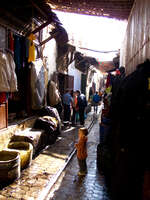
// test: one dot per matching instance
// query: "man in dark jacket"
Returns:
(67, 103)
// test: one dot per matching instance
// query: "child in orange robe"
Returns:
(82, 150)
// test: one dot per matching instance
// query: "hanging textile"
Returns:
(13, 77)
(8, 79)
(11, 41)
(3, 97)
(17, 51)
(31, 48)
(37, 85)
(27, 43)
(53, 94)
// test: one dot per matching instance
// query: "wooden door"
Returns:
(65, 82)
(69, 82)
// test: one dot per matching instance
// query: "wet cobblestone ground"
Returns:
(91, 187)
(43, 169)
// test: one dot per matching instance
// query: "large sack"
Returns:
(46, 123)
(50, 111)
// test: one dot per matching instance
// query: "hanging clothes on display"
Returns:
(8, 79)
(31, 48)
(11, 41)
(37, 85)
(27, 43)
(17, 52)
(3, 97)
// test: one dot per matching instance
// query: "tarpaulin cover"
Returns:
(136, 45)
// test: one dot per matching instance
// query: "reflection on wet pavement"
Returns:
(70, 186)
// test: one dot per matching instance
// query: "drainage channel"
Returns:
(46, 190)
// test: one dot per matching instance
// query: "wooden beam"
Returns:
(48, 39)
(42, 26)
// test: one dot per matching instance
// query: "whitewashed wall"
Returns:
(136, 46)
(72, 71)
(93, 78)
(49, 53)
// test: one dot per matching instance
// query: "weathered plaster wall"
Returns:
(49, 53)
(93, 78)
(72, 71)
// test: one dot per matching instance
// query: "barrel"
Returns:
(9, 166)
(25, 149)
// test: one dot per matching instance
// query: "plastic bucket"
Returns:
(25, 149)
(9, 166)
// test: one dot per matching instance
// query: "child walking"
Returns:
(82, 150)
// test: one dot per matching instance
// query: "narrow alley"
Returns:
(60, 61)
(92, 186)
(36, 182)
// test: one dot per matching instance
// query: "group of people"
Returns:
(71, 106)
(74, 103)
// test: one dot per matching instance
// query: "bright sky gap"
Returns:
(98, 34)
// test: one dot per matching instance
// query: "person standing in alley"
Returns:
(67, 103)
(82, 150)
(96, 101)
(81, 104)
(74, 107)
